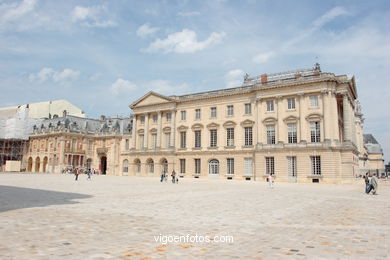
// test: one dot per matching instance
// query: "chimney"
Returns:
(263, 78)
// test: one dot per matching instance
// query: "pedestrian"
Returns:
(89, 173)
(270, 181)
(367, 181)
(76, 173)
(173, 176)
(374, 184)
(162, 176)
(177, 180)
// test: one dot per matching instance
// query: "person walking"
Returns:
(162, 176)
(367, 181)
(173, 176)
(374, 184)
(76, 173)
(270, 181)
(89, 173)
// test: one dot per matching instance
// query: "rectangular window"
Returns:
(291, 103)
(292, 166)
(270, 105)
(248, 109)
(197, 166)
(315, 165)
(183, 136)
(270, 134)
(197, 113)
(154, 119)
(230, 110)
(230, 137)
(315, 132)
(182, 165)
(213, 138)
(292, 133)
(142, 120)
(230, 165)
(154, 141)
(126, 145)
(313, 101)
(213, 112)
(183, 115)
(270, 165)
(167, 140)
(248, 136)
(248, 167)
(169, 117)
(198, 138)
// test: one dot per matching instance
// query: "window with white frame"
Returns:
(198, 138)
(270, 134)
(213, 112)
(248, 109)
(142, 120)
(213, 138)
(154, 119)
(291, 103)
(197, 113)
(183, 115)
(230, 110)
(315, 132)
(167, 140)
(182, 165)
(292, 133)
(125, 166)
(154, 141)
(183, 137)
(248, 136)
(270, 105)
(150, 164)
(248, 167)
(214, 167)
(315, 165)
(197, 166)
(229, 136)
(168, 117)
(313, 101)
(292, 166)
(230, 165)
(270, 165)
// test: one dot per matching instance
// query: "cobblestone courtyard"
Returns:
(52, 217)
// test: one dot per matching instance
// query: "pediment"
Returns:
(153, 131)
(197, 126)
(269, 120)
(229, 124)
(166, 129)
(290, 119)
(314, 117)
(151, 98)
(212, 125)
(182, 128)
(247, 122)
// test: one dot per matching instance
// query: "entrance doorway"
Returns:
(30, 164)
(103, 164)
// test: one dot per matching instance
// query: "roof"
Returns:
(372, 144)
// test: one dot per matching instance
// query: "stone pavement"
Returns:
(111, 217)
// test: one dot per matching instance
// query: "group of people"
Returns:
(164, 177)
(371, 183)
(88, 172)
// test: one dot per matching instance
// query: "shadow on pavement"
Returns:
(17, 198)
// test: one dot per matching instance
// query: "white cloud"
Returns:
(93, 16)
(188, 14)
(145, 30)
(14, 11)
(46, 74)
(329, 16)
(121, 85)
(184, 42)
(263, 57)
(234, 78)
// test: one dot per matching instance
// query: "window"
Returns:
(182, 165)
(125, 166)
(169, 117)
(248, 136)
(230, 110)
(270, 134)
(270, 165)
(315, 165)
(292, 133)
(230, 137)
(90, 145)
(183, 136)
(141, 142)
(150, 164)
(313, 101)
(291, 103)
(198, 138)
(248, 167)
(292, 166)
(167, 140)
(142, 120)
(270, 105)
(154, 119)
(213, 138)
(230, 165)
(315, 132)
(197, 166)
(214, 167)
(197, 113)
(248, 109)
(154, 141)
(213, 112)
(137, 165)
(183, 115)
(126, 145)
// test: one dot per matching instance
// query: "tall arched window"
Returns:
(214, 167)
(137, 164)
(125, 166)
(150, 165)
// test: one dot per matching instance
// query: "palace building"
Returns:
(300, 126)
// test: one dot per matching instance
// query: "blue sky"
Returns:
(103, 55)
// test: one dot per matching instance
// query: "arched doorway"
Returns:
(37, 164)
(44, 164)
(29, 164)
(150, 165)
(164, 165)
(103, 164)
(88, 163)
(214, 167)
(137, 166)
(125, 166)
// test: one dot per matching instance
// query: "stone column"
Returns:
(347, 118)
(325, 115)
(279, 121)
(146, 132)
(257, 122)
(134, 133)
(159, 123)
(173, 127)
(301, 136)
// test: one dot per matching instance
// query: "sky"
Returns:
(103, 55)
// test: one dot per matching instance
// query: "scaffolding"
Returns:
(11, 150)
